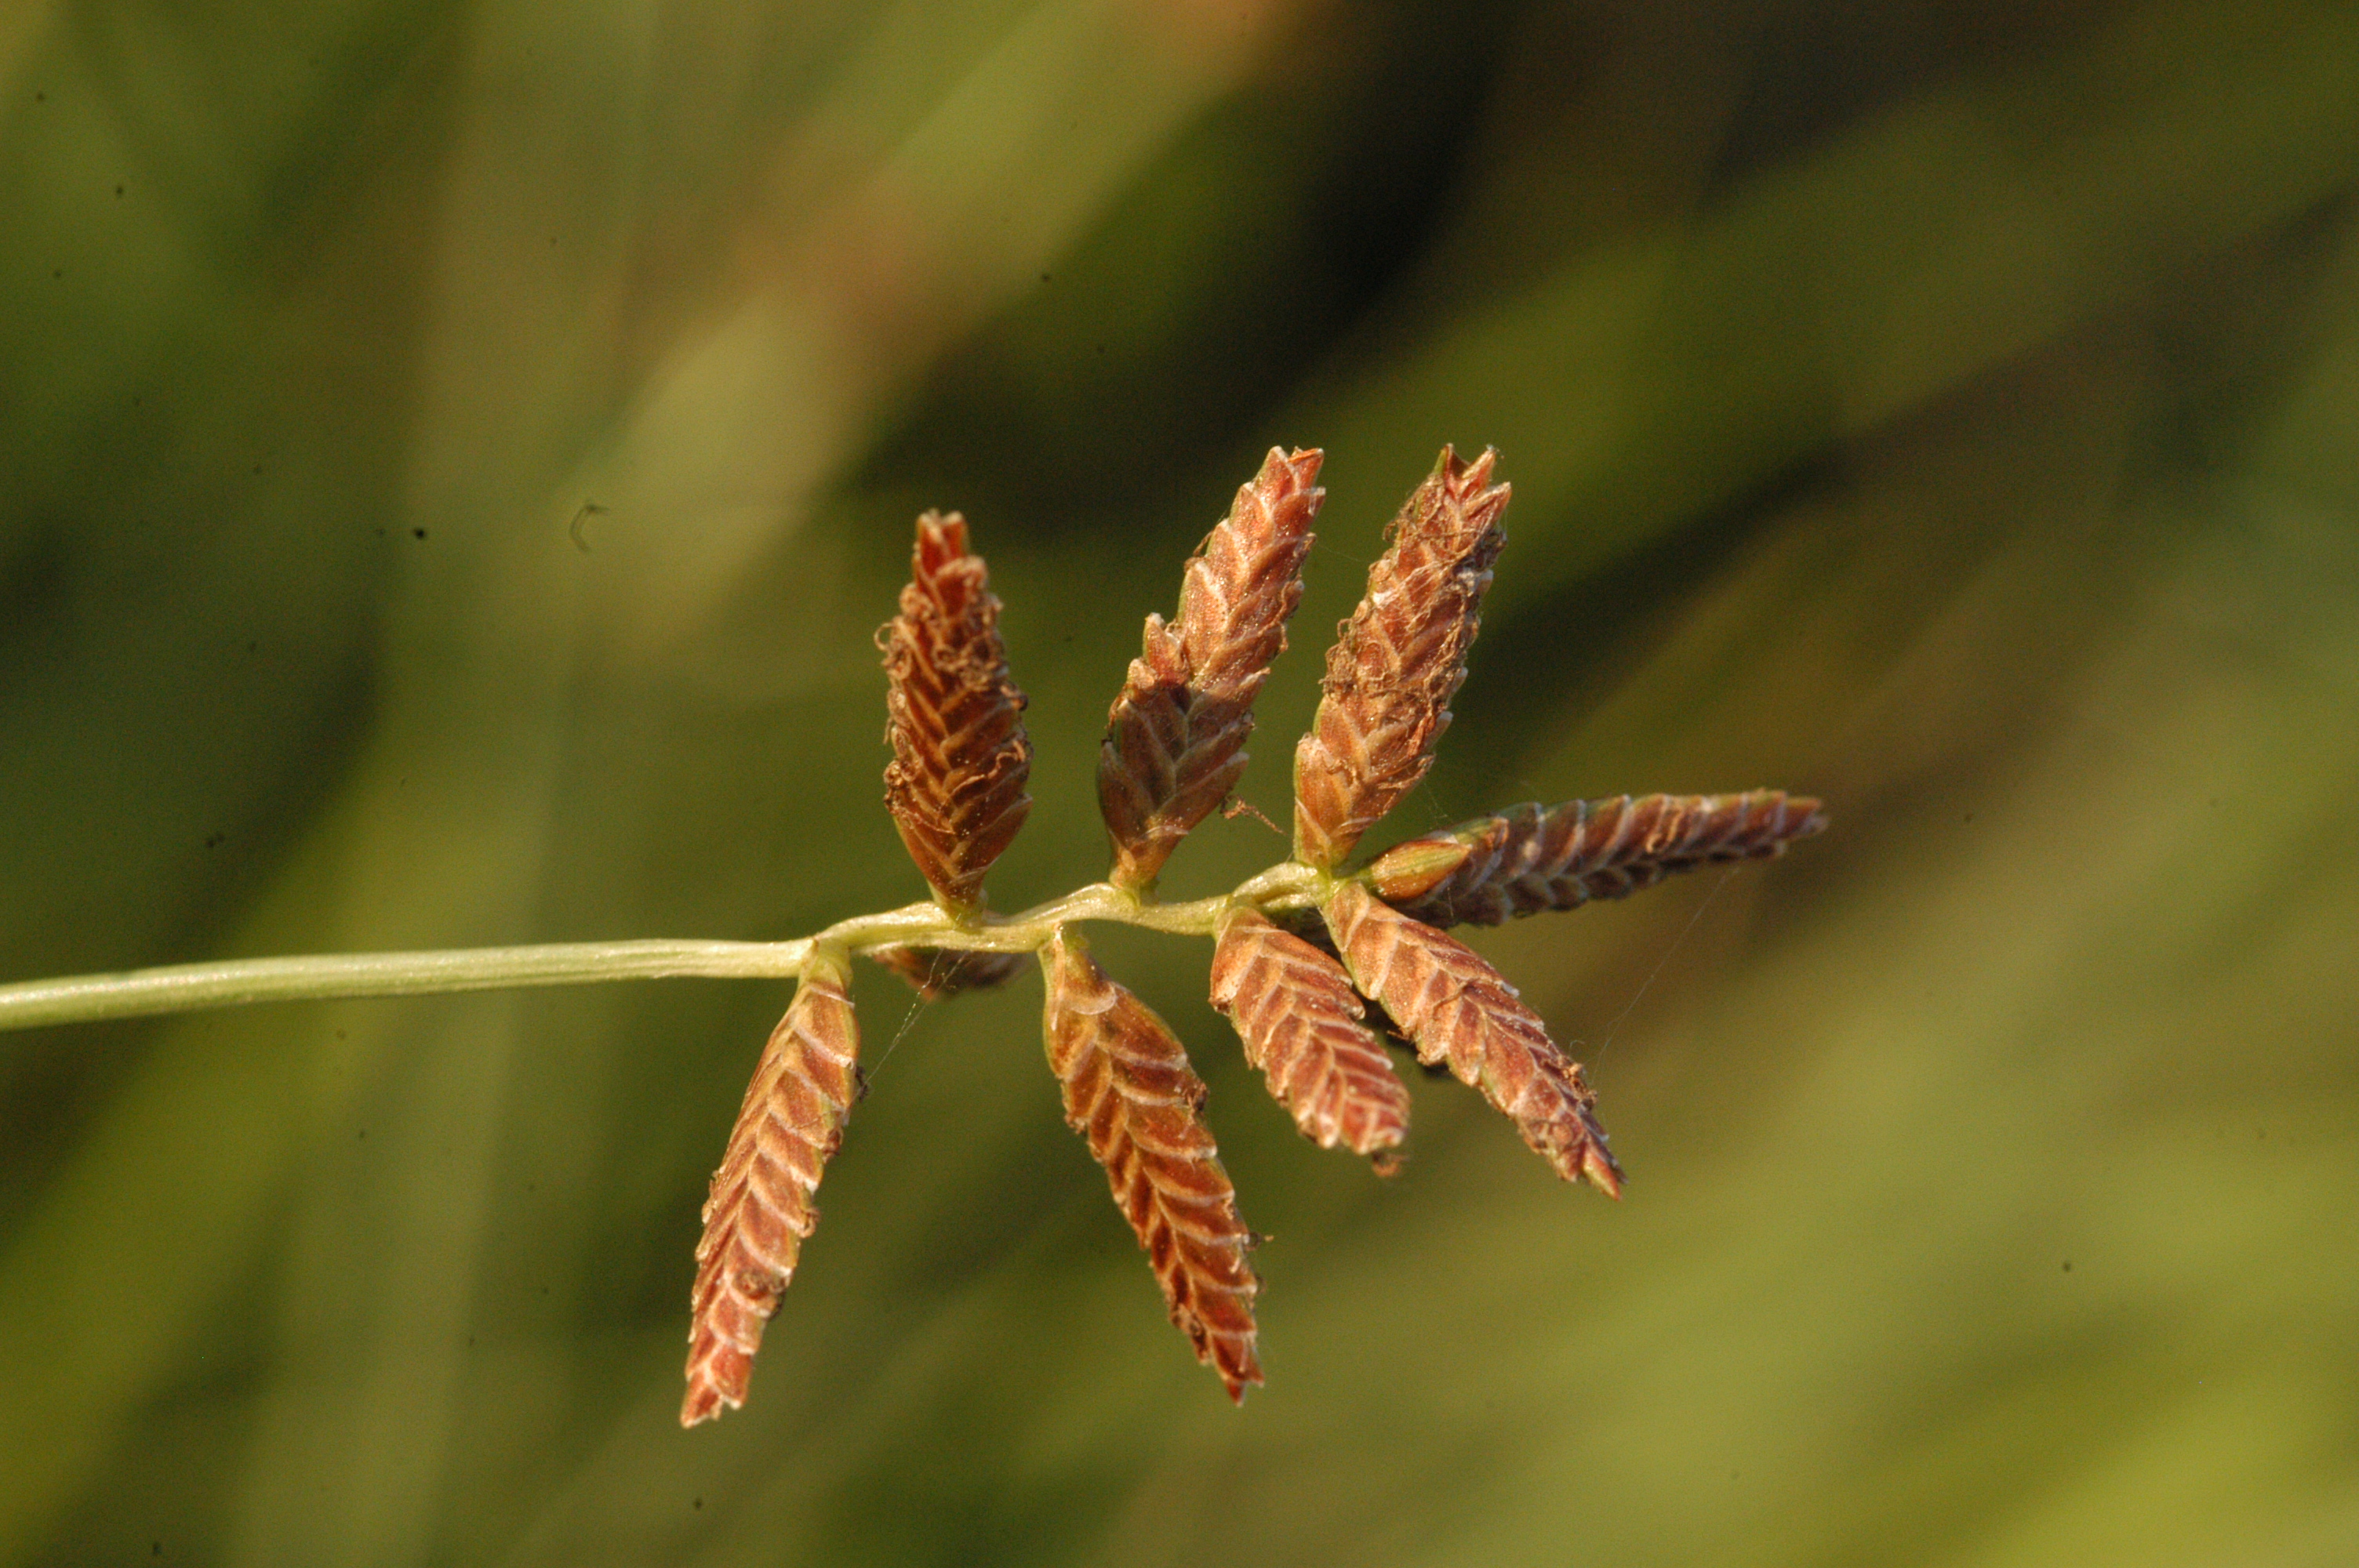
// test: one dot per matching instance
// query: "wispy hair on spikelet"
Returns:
(760, 1208)
(1397, 661)
(1302, 1025)
(1128, 1089)
(938, 972)
(1530, 858)
(1175, 738)
(960, 758)
(1460, 1012)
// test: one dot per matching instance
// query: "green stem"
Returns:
(181, 987)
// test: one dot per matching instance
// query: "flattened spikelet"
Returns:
(1459, 1011)
(1175, 738)
(955, 786)
(1529, 859)
(1398, 659)
(938, 972)
(1129, 1090)
(1300, 1022)
(760, 1208)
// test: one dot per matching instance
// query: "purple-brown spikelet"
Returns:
(1301, 1024)
(956, 784)
(760, 1208)
(1129, 1090)
(1458, 1011)
(1398, 659)
(1175, 738)
(1529, 858)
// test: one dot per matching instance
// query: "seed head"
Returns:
(1398, 659)
(956, 784)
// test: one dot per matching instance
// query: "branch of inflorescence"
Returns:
(181, 987)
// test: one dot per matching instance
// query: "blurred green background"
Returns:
(1948, 408)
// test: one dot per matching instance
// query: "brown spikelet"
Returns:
(956, 784)
(1129, 1091)
(1175, 738)
(938, 972)
(1529, 859)
(1458, 1011)
(1398, 659)
(1295, 1009)
(760, 1208)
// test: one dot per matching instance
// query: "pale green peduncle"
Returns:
(82, 999)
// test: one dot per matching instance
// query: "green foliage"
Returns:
(1951, 416)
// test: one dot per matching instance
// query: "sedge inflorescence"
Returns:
(1319, 968)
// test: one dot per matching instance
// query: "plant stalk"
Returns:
(181, 987)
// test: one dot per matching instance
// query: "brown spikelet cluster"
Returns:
(1398, 659)
(1129, 1091)
(956, 784)
(1300, 1020)
(1460, 1014)
(1529, 858)
(1175, 738)
(1314, 964)
(760, 1208)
